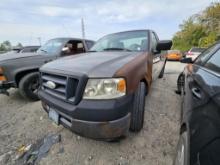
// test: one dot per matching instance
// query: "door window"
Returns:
(214, 62)
(154, 42)
(89, 44)
(206, 54)
(73, 47)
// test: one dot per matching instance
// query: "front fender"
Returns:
(139, 69)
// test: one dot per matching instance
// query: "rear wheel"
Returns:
(137, 113)
(28, 86)
(182, 154)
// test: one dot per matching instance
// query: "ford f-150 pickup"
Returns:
(101, 94)
(20, 70)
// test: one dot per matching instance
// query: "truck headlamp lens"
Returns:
(105, 88)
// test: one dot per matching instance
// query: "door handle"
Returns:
(196, 92)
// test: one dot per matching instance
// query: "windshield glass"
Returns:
(51, 47)
(124, 41)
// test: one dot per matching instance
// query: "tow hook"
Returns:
(4, 92)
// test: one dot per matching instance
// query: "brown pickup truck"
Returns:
(101, 94)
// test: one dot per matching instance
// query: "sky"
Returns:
(32, 21)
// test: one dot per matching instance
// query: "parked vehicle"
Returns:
(25, 49)
(174, 55)
(199, 85)
(20, 70)
(194, 52)
(29, 49)
(101, 94)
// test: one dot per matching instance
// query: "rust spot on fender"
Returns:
(136, 70)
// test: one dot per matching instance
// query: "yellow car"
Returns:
(174, 55)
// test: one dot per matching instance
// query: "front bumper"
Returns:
(98, 119)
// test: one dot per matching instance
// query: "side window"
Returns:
(33, 50)
(214, 62)
(89, 44)
(206, 54)
(73, 47)
(154, 41)
(25, 50)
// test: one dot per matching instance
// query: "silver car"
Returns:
(194, 52)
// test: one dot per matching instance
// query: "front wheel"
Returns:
(28, 86)
(182, 153)
(137, 112)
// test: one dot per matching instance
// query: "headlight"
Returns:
(105, 88)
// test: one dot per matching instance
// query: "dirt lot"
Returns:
(23, 122)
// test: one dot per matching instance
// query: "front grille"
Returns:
(65, 87)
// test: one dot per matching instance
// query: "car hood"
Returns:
(97, 64)
(13, 56)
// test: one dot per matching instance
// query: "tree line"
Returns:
(200, 30)
(6, 46)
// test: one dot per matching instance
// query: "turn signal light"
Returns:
(121, 85)
(2, 78)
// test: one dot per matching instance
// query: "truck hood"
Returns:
(13, 56)
(97, 64)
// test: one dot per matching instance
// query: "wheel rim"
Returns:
(34, 85)
(180, 155)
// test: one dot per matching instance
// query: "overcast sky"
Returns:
(26, 20)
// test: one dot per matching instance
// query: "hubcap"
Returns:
(34, 86)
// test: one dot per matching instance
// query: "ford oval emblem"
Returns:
(51, 84)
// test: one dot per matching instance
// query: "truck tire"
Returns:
(137, 112)
(28, 86)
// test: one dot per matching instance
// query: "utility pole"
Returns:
(83, 28)
(39, 39)
(83, 33)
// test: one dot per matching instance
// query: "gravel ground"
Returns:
(23, 123)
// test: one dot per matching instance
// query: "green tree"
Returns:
(19, 45)
(6, 45)
(2, 47)
(208, 40)
(201, 29)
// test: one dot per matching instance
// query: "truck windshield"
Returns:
(51, 47)
(124, 41)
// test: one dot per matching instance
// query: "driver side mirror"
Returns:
(187, 60)
(164, 45)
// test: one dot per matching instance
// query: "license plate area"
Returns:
(54, 116)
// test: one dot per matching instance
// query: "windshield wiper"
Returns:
(123, 49)
(92, 51)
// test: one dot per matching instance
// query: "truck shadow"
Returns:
(14, 96)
